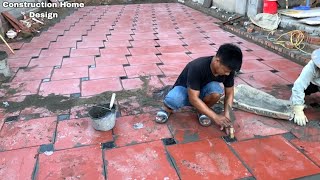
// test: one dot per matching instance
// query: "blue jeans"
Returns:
(178, 96)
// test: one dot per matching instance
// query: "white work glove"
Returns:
(299, 116)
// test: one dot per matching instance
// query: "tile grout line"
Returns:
(172, 161)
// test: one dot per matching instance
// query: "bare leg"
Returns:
(211, 99)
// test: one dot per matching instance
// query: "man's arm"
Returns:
(301, 84)
(228, 100)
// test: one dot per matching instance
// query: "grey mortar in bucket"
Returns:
(103, 119)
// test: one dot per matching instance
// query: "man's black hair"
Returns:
(231, 56)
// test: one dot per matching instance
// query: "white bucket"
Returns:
(103, 119)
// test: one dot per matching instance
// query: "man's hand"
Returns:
(222, 121)
(299, 116)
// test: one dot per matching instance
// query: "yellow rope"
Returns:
(297, 38)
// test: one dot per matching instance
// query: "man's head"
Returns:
(316, 57)
(228, 59)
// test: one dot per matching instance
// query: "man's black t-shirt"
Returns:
(198, 73)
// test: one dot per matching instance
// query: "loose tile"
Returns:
(70, 73)
(263, 79)
(138, 129)
(143, 161)
(21, 134)
(94, 87)
(83, 162)
(78, 61)
(106, 72)
(186, 128)
(270, 158)
(18, 164)
(79, 132)
(143, 59)
(142, 70)
(63, 87)
(207, 159)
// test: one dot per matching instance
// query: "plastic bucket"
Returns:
(270, 6)
(103, 119)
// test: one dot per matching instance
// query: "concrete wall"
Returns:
(16, 12)
(228, 5)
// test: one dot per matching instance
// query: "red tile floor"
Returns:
(110, 48)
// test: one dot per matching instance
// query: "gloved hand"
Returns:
(299, 116)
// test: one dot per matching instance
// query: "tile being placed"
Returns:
(18, 164)
(141, 128)
(186, 128)
(270, 158)
(21, 134)
(79, 132)
(84, 162)
(207, 159)
(142, 161)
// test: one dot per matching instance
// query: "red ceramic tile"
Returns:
(25, 88)
(18, 164)
(78, 61)
(142, 70)
(139, 129)
(144, 36)
(109, 44)
(143, 43)
(19, 62)
(94, 87)
(167, 36)
(111, 60)
(90, 44)
(196, 41)
(21, 134)
(172, 49)
(33, 73)
(270, 158)
(170, 80)
(120, 37)
(70, 73)
(83, 163)
(55, 52)
(254, 66)
(143, 161)
(310, 148)
(186, 128)
(266, 55)
(196, 48)
(281, 65)
(207, 159)
(69, 38)
(106, 72)
(63, 87)
(39, 112)
(171, 42)
(249, 125)
(198, 55)
(172, 69)
(238, 81)
(312, 129)
(36, 45)
(143, 59)
(173, 58)
(46, 61)
(81, 111)
(25, 53)
(138, 51)
(252, 46)
(129, 106)
(290, 75)
(84, 52)
(79, 132)
(263, 79)
(114, 51)
(64, 44)
(130, 84)
(16, 45)
(95, 37)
